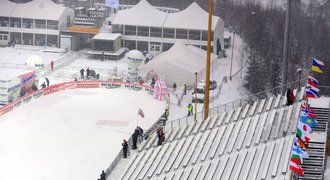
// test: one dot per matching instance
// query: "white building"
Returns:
(37, 23)
(148, 29)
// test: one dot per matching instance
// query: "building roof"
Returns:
(36, 9)
(142, 14)
(107, 36)
(193, 17)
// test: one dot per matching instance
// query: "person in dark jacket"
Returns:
(43, 85)
(140, 134)
(174, 87)
(161, 136)
(135, 138)
(47, 81)
(103, 175)
(185, 89)
(82, 71)
(125, 148)
(88, 73)
(289, 96)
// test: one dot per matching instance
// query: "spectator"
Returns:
(103, 175)
(185, 89)
(88, 73)
(47, 81)
(140, 134)
(290, 97)
(135, 137)
(125, 148)
(75, 79)
(174, 87)
(52, 65)
(43, 85)
(161, 136)
(190, 109)
(82, 73)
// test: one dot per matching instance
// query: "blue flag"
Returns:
(112, 3)
(308, 120)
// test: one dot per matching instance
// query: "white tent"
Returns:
(178, 64)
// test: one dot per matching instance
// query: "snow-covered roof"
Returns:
(142, 14)
(178, 64)
(193, 17)
(36, 9)
(107, 36)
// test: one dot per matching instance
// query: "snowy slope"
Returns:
(72, 134)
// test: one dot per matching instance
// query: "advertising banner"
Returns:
(88, 85)
(28, 83)
(13, 89)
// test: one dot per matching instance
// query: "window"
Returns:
(167, 46)
(155, 32)
(5, 37)
(143, 31)
(40, 24)
(168, 33)
(52, 25)
(0, 37)
(130, 30)
(142, 46)
(194, 34)
(181, 34)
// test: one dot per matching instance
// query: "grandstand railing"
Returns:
(231, 105)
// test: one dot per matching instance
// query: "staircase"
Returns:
(314, 166)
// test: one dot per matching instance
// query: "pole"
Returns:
(208, 64)
(232, 55)
(195, 113)
(286, 45)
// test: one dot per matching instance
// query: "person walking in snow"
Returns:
(82, 73)
(174, 87)
(103, 175)
(47, 81)
(190, 109)
(52, 65)
(125, 148)
(290, 97)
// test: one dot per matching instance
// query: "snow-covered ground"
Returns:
(72, 134)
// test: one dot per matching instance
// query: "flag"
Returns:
(141, 113)
(300, 143)
(298, 151)
(306, 111)
(317, 65)
(112, 3)
(304, 128)
(297, 159)
(312, 81)
(312, 92)
(308, 120)
(296, 168)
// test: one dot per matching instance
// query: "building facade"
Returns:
(36, 23)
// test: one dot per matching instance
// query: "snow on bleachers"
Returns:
(269, 103)
(174, 155)
(268, 155)
(216, 142)
(278, 123)
(287, 120)
(239, 164)
(128, 174)
(129, 165)
(253, 109)
(205, 168)
(208, 144)
(200, 146)
(230, 115)
(277, 101)
(187, 173)
(229, 167)
(213, 167)
(242, 133)
(295, 118)
(268, 126)
(173, 135)
(221, 167)
(182, 131)
(261, 106)
(195, 172)
(260, 128)
(213, 121)
(178, 175)
(191, 150)
(151, 141)
(274, 167)
(189, 129)
(256, 164)
(155, 164)
(286, 155)
(198, 125)
(225, 139)
(205, 124)
(168, 134)
(302, 93)
(245, 111)
(237, 113)
(166, 157)
(233, 137)
(149, 163)
(170, 176)
(141, 164)
(185, 148)
(220, 120)
(251, 130)
(248, 163)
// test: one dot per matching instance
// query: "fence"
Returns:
(12, 65)
(229, 106)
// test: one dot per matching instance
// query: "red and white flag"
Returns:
(141, 113)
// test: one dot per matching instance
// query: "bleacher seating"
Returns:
(251, 142)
